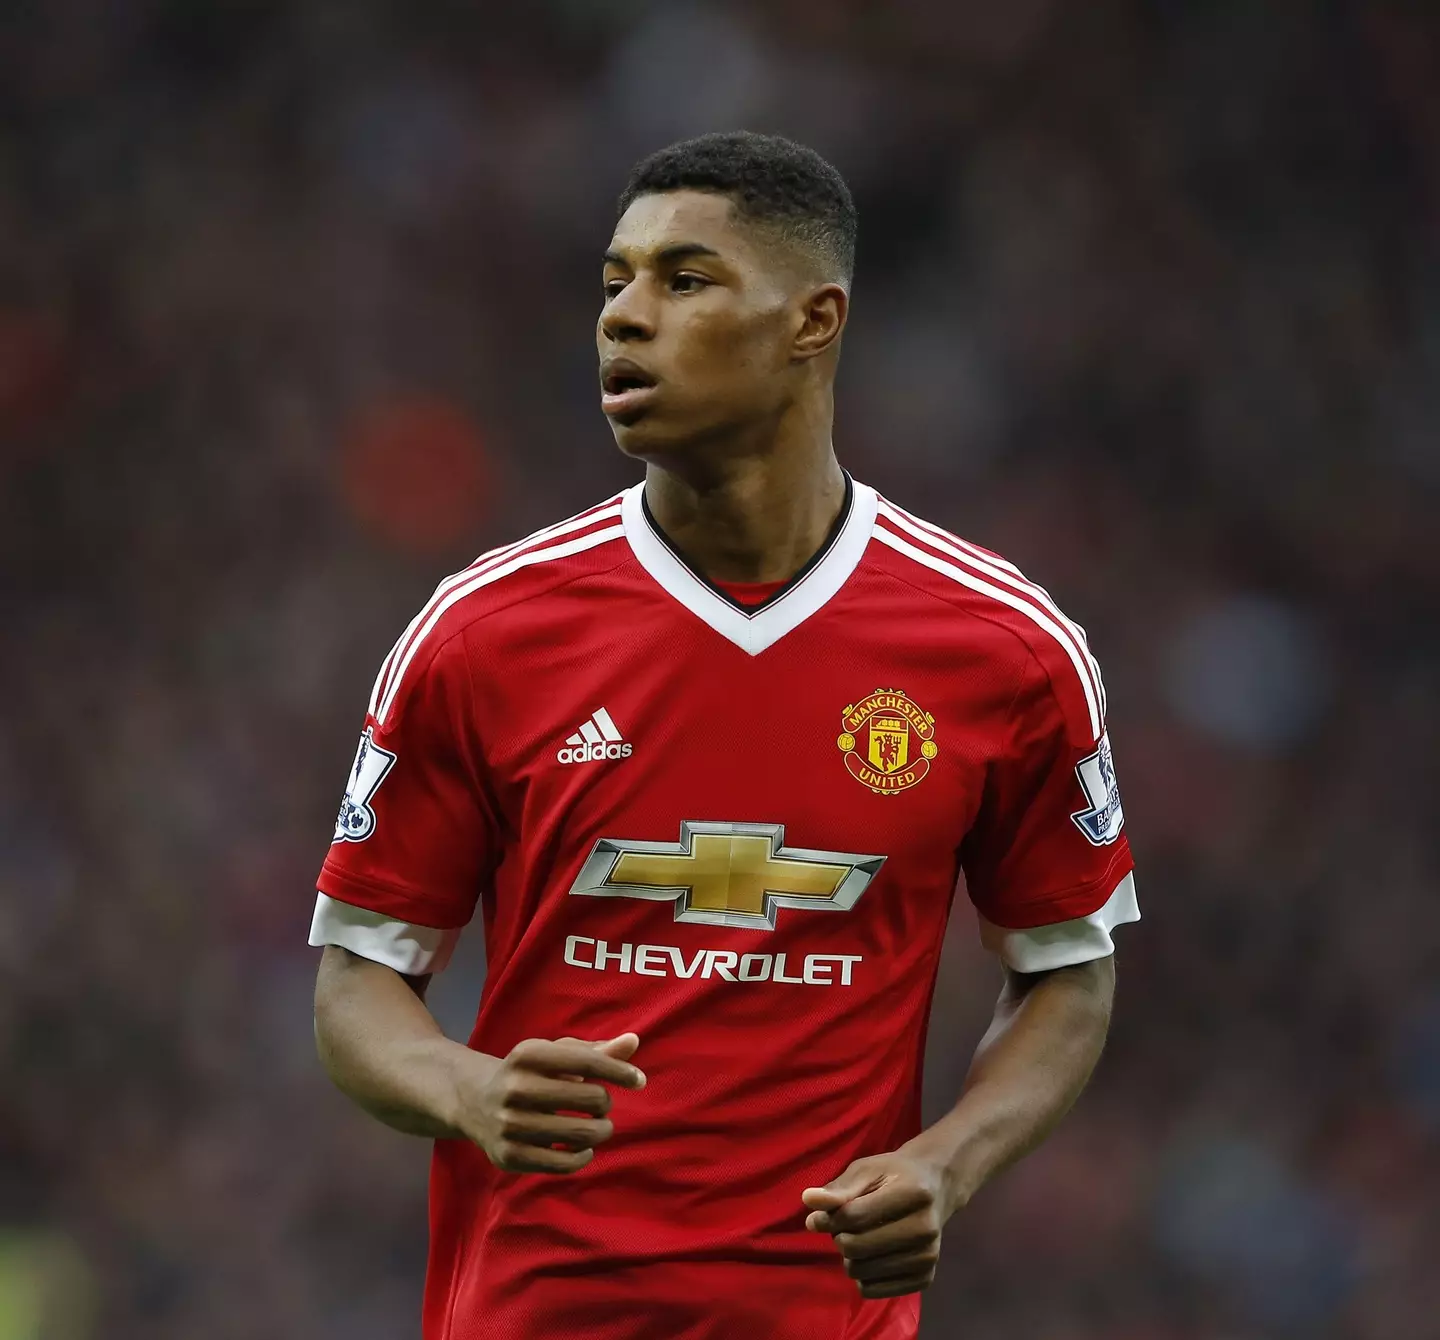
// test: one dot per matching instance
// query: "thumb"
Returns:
(856, 1180)
(622, 1048)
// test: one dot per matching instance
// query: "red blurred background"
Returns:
(295, 317)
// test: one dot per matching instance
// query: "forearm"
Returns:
(1032, 1064)
(383, 1048)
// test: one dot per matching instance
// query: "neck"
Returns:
(759, 518)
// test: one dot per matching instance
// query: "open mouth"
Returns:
(625, 388)
(618, 383)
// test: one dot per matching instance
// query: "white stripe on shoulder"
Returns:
(491, 558)
(482, 579)
(930, 528)
(1011, 599)
(997, 568)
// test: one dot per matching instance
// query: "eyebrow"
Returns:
(679, 251)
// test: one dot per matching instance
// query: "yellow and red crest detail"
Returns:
(888, 742)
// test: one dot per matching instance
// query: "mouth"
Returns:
(625, 388)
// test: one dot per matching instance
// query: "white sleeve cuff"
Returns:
(413, 950)
(1042, 948)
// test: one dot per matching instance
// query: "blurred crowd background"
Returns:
(296, 304)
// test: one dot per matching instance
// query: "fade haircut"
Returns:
(774, 182)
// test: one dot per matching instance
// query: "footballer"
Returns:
(707, 761)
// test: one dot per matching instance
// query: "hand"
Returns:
(885, 1214)
(521, 1110)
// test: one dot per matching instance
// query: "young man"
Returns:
(710, 757)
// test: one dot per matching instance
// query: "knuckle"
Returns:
(503, 1156)
(574, 1162)
(512, 1086)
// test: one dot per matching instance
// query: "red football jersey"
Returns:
(735, 830)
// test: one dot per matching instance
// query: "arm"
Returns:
(887, 1212)
(1037, 1056)
(384, 1050)
(1048, 867)
(414, 843)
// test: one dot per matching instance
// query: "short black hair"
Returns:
(771, 180)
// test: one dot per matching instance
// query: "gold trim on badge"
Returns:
(727, 874)
(878, 742)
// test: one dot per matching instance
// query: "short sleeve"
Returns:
(415, 837)
(1047, 863)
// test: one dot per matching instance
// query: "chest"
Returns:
(867, 731)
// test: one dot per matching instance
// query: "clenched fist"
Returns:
(544, 1107)
(886, 1214)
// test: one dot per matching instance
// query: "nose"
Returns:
(629, 315)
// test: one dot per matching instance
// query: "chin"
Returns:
(657, 439)
(644, 439)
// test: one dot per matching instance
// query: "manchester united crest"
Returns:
(888, 742)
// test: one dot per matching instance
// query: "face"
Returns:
(698, 334)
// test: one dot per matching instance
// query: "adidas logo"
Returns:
(597, 739)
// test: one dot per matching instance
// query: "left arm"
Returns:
(1030, 1067)
(1048, 868)
(886, 1212)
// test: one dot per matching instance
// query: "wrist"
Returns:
(454, 1070)
(956, 1156)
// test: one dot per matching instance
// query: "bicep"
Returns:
(346, 979)
(1093, 980)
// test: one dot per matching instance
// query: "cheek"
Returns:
(721, 349)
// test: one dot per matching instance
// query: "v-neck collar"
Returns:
(761, 626)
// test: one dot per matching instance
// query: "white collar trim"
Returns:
(753, 632)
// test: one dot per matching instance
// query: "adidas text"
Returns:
(594, 753)
(598, 738)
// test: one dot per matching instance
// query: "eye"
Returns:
(685, 282)
(613, 287)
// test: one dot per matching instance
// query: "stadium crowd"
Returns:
(295, 311)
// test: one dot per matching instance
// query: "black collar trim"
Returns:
(750, 611)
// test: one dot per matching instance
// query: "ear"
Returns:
(822, 314)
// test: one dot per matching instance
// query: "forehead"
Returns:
(673, 218)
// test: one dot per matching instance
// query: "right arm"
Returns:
(414, 842)
(384, 1050)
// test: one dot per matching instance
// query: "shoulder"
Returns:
(975, 583)
(499, 579)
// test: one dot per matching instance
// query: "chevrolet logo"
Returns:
(727, 874)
